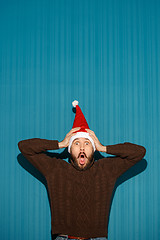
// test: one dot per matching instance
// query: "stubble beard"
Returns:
(74, 161)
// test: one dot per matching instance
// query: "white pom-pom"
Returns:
(75, 103)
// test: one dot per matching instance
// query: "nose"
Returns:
(82, 147)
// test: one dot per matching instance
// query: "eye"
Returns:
(87, 143)
(76, 143)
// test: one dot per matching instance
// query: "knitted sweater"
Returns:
(80, 200)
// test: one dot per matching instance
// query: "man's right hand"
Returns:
(65, 142)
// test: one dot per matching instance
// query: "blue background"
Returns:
(105, 54)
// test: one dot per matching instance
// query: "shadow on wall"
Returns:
(133, 171)
(34, 172)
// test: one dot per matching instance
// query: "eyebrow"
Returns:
(78, 139)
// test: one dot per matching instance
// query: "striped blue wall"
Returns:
(106, 54)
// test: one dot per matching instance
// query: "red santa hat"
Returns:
(81, 122)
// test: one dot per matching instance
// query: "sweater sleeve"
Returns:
(35, 149)
(127, 154)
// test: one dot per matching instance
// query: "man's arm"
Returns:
(34, 150)
(123, 150)
(131, 151)
(127, 154)
(33, 146)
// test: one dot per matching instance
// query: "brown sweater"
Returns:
(80, 200)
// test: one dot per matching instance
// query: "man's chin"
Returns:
(81, 164)
(81, 167)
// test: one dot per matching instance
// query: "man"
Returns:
(80, 193)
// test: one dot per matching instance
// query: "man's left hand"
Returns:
(98, 145)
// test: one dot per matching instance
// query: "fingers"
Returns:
(91, 133)
(72, 130)
(75, 129)
(71, 135)
(98, 145)
(89, 130)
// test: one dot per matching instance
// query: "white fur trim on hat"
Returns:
(81, 135)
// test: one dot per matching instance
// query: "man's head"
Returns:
(81, 145)
(82, 153)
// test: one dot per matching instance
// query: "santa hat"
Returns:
(81, 122)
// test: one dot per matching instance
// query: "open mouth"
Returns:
(82, 159)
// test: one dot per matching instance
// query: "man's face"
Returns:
(82, 153)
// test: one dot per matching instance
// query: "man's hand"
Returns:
(98, 145)
(65, 142)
